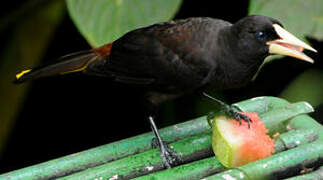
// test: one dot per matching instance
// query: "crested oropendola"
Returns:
(179, 57)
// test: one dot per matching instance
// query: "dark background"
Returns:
(68, 114)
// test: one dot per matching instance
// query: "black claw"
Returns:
(154, 143)
(238, 116)
(168, 155)
(239, 121)
(232, 110)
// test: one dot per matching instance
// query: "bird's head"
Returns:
(260, 36)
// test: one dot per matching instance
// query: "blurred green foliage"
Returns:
(293, 14)
(307, 86)
(34, 23)
(304, 18)
(25, 48)
(103, 21)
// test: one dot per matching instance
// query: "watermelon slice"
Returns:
(236, 144)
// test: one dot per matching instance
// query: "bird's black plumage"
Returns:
(177, 56)
(182, 56)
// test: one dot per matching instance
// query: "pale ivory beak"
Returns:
(289, 45)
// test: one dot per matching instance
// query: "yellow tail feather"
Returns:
(19, 75)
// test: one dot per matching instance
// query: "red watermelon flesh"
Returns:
(236, 144)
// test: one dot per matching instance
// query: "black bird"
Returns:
(179, 57)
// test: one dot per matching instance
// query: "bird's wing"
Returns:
(166, 53)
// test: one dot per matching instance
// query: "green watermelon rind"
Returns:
(221, 147)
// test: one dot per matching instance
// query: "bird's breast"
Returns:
(232, 76)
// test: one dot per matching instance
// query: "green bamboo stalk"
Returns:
(193, 170)
(295, 138)
(147, 162)
(117, 150)
(137, 165)
(107, 153)
(316, 175)
(303, 122)
(206, 167)
(278, 166)
(283, 142)
(281, 114)
(261, 104)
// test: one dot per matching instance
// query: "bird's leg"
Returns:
(151, 102)
(230, 110)
(168, 156)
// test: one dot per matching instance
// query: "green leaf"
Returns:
(307, 86)
(102, 21)
(300, 17)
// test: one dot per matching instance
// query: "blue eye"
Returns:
(261, 35)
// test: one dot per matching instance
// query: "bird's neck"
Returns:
(235, 71)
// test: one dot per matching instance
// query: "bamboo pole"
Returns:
(189, 149)
(192, 143)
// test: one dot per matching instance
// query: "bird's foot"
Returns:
(236, 114)
(168, 155)
(230, 110)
